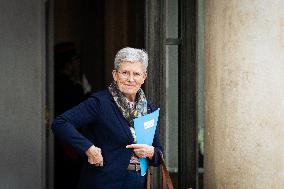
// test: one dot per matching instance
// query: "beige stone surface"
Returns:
(244, 94)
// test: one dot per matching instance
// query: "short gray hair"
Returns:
(131, 55)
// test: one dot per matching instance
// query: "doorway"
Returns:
(167, 30)
(87, 34)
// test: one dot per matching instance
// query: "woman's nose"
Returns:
(130, 77)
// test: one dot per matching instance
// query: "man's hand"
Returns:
(95, 156)
(142, 150)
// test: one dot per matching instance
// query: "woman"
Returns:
(110, 149)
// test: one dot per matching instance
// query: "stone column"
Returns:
(244, 94)
(22, 94)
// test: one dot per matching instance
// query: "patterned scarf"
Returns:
(124, 106)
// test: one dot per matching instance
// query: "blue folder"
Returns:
(145, 127)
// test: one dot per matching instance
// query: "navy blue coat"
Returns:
(108, 130)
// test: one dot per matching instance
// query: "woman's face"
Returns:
(129, 78)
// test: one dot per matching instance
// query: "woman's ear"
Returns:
(145, 77)
(114, 75)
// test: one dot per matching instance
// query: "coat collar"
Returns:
(122, 120)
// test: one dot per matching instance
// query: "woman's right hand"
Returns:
(95, 156)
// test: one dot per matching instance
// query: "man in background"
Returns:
(71, 87)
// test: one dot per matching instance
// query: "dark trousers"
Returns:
(134, 180)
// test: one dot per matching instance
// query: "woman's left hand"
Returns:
(142, 150)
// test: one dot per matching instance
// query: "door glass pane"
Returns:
(171, 19)
(172, 111)
(200, 91)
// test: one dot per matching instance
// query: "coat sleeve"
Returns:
(65, 126)
(157, 159)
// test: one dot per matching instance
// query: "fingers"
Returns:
(95, 162)
(136, 146)
(95, 156)
(140, 153)
(142, 150)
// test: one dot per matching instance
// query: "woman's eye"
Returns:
(137, 74)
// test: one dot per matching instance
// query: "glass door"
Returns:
(170, 38)
(171, 46)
